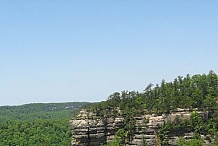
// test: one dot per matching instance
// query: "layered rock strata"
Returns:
(90, 130)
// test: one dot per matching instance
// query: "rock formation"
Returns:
(90, 130)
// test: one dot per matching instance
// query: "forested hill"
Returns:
(40, 110)
(37, 124)
(198, 92)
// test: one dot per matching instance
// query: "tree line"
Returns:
(199, 92)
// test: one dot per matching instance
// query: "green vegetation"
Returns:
(47, 124)
(192, 142)
(189, 92)
(119, 138)
(38, 124)
(195, 124)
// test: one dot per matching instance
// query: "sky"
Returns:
(84, 50)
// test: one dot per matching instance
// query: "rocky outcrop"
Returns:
(90, 130)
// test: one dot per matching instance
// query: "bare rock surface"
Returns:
(90, 130)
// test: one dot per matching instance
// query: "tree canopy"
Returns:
(190, 92)
(38, 124)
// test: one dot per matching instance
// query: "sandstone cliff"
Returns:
(90, 130)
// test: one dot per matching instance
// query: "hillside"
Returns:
(40, 110)
(130, 117)
(183, 112)
(39, 124)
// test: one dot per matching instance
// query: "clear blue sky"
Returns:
(84, 50)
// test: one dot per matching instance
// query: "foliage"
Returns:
(197, 91)
(190, 92)
(119, 138)
(37, 124)
(40, 111)
(192, 142)
(35, 132)
(215, 142)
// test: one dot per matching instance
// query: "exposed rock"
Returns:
(90, 130)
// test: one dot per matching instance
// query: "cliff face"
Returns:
(90, 130)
